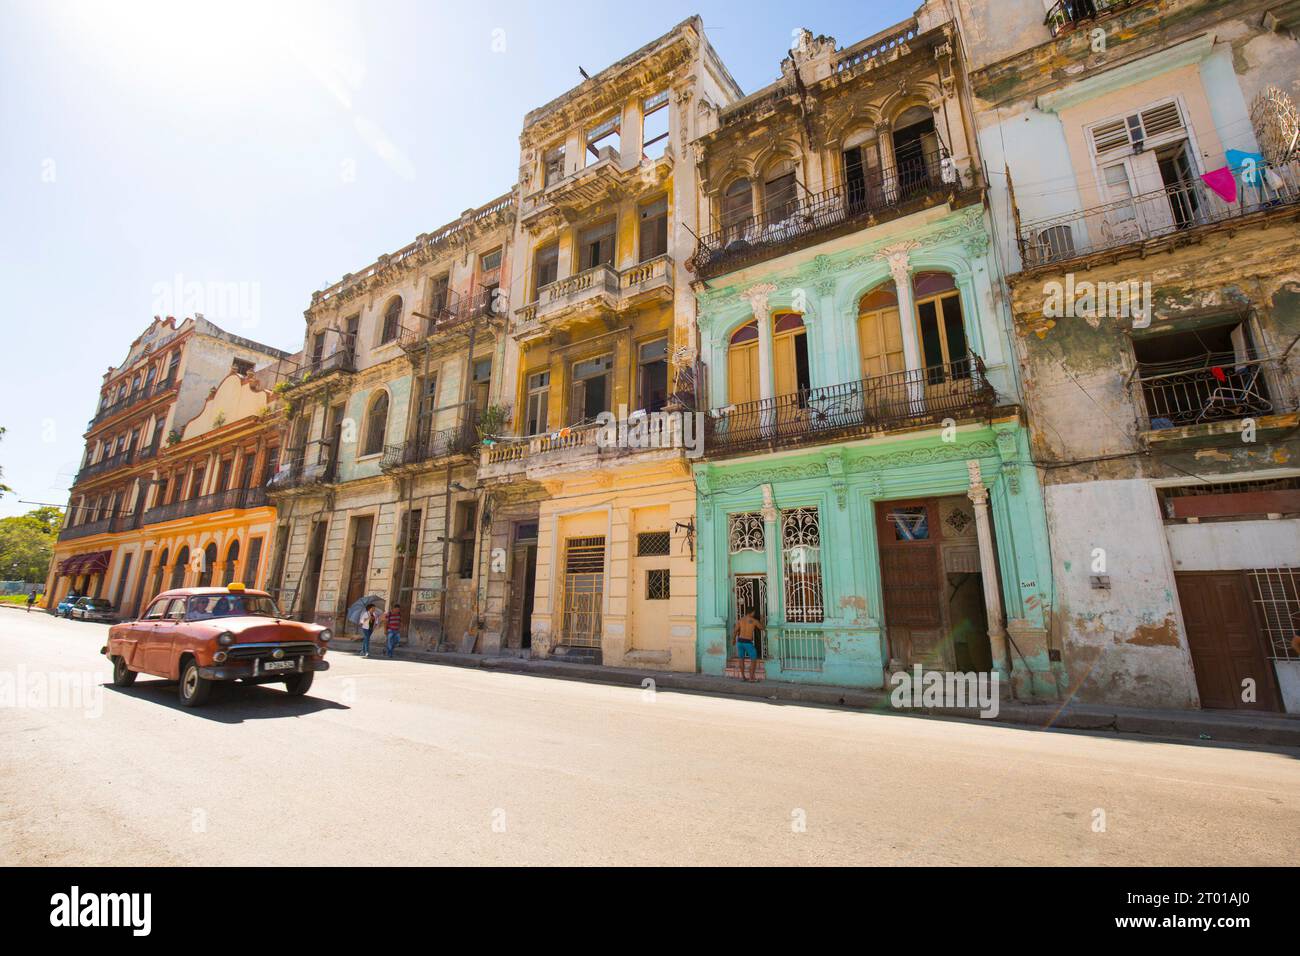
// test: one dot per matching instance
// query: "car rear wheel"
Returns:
(123, 676)
(194, 689)
(298, 684)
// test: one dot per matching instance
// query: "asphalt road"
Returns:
(410, 763)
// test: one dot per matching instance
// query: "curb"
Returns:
(1269, 730)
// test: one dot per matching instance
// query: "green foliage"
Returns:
(3, 487)
(493, 421)
(27, 544)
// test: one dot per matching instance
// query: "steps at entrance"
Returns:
(733, 669)
(576, 655)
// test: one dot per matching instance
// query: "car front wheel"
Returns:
(194, 689)
(123, 676)
(299, 684)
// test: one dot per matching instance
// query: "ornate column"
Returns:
(979, 496)
(756, 296)
(898, 257)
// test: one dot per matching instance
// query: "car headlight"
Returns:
(326, 634)
(320, 650)
(219, 657)
(225, 639)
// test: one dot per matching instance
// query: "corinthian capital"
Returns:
(898, 257)
(756, 296)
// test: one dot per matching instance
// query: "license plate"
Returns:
(279, 665)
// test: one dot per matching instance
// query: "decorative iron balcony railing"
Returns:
(231, 498)
(1066, 14)
(1213, 388)
(133, 399)
(836, 412)
(1162, 214)
(298, 472)
(445, 443)
(913, 181)
(104, 465)
(86, 529)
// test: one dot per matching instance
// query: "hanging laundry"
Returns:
(1222, 182)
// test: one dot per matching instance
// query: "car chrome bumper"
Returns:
(244, 670)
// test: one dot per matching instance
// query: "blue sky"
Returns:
(268, 148)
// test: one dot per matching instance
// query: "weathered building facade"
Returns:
(866, 488)
(597, 537)
(172, 486)
(1147, 191)
(377, 490)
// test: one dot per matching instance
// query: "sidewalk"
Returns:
(1275, 730)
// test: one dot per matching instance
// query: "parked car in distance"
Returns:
(64, 607)
(93, 609)
(199, 636)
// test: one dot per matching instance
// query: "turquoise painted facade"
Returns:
(844, 480)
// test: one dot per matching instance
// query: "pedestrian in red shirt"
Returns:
(393, 625)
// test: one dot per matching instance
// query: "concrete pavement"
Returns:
(402, 763)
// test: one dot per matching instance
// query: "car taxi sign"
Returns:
(235, 586)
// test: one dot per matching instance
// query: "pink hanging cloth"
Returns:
(1222, 182)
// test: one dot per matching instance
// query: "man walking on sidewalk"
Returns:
(393, 626)
(31, 599)
(369, 618)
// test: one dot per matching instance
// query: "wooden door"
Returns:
(880, 342)
(742, 374)
(1225, 641)
(359, 565)
(911, 576)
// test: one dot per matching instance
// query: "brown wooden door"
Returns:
(359, 565)
(912, 580)
(1224, 640)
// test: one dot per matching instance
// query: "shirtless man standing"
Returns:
(745, 647)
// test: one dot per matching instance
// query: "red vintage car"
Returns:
(201, 635)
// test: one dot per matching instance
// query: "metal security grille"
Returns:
(652, 544)
(801, 649)
(656, 584)
(584, 589)
(801, 537)
(750, 595)
(1276, 594)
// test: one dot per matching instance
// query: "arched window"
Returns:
(780, 191)
(940, 324)
(737, 207)
(376, 424)
(880, 335)
(790, 354)
(209, 563)
(232, 558)
(180, 567)
(916, 151)
(392, 319)
(862, 180)
(742, 365)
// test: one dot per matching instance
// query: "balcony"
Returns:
(1191, 403)
(105, 465)
(317, 369)
(593, 292)
(419, 453)
(858, 409)
(1155, 220)
(102, 526)
(228, 500)
(597, 184)
(133, 399)
(577, 448)
(298, 473)
(1065, 15)
(889, 193)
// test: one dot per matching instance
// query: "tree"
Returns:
(27, 544)
(3, 487)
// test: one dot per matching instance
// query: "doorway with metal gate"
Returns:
(584, 591)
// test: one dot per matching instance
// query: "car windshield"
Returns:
(203, 607)
(98, 602)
